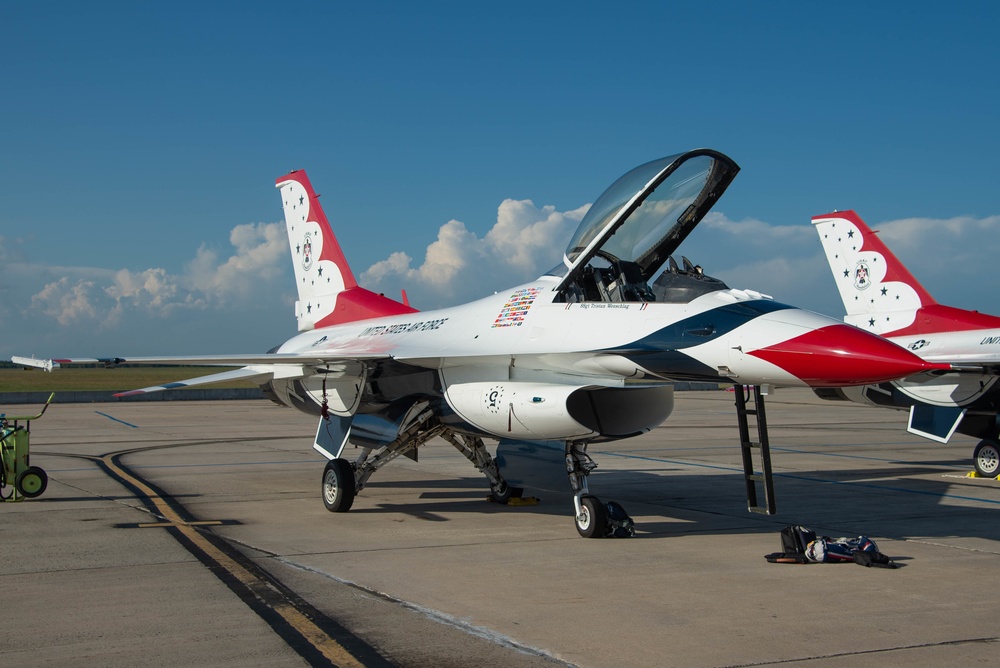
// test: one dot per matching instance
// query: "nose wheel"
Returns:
(591, 517)
(599, 519)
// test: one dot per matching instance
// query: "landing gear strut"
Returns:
(475, 451)
(594, 519)
(343, 479)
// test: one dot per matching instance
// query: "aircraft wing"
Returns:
(204, 360)
(256, 367)
(245, 373)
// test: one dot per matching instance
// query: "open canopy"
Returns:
(644, 216)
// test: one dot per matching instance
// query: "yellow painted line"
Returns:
(154, 525)
(326, 645)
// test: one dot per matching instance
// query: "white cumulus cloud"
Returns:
(259, 255)
(67, 302)
(524, 242)
(753, 230)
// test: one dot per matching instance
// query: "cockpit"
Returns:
(606, 279)
(631, 231)
(682, 284)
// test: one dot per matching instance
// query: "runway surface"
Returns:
(192, 534)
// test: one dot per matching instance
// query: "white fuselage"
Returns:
(544, 340)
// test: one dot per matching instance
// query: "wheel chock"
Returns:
(515, 500)
(973, 474)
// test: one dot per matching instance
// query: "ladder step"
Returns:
(755, 479)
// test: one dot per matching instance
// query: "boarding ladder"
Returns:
(743, 414)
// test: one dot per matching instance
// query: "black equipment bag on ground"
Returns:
(795, 539)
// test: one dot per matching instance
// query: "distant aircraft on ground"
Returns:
(588, 352)
(881, 296)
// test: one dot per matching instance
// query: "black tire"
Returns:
(32, 482)
(986, 458)
(338, 489)
(503, 492)
(594, 521)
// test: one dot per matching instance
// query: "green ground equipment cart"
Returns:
(18, 478)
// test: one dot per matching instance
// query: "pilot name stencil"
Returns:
(599, 305)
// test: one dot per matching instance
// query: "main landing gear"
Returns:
(343, 479)
(594, 518)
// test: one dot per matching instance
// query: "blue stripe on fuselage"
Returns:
(659, 352)
(703, 327)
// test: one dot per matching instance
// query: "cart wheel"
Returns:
(32, 482)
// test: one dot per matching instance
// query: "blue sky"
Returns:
(140, 143)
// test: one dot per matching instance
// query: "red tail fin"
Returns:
(328, 291)
(878, 291)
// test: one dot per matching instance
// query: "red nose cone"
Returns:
(841, 355)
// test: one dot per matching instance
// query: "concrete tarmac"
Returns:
(192, 534)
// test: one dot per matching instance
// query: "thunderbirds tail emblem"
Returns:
(307, 257)
(861, 281)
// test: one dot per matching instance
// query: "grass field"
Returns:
(121, 378)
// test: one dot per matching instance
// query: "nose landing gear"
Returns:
(594, 518)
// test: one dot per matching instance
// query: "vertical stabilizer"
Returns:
(879, 293)
(328, 292)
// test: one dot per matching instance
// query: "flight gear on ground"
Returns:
(620, 525)
(802, 546)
